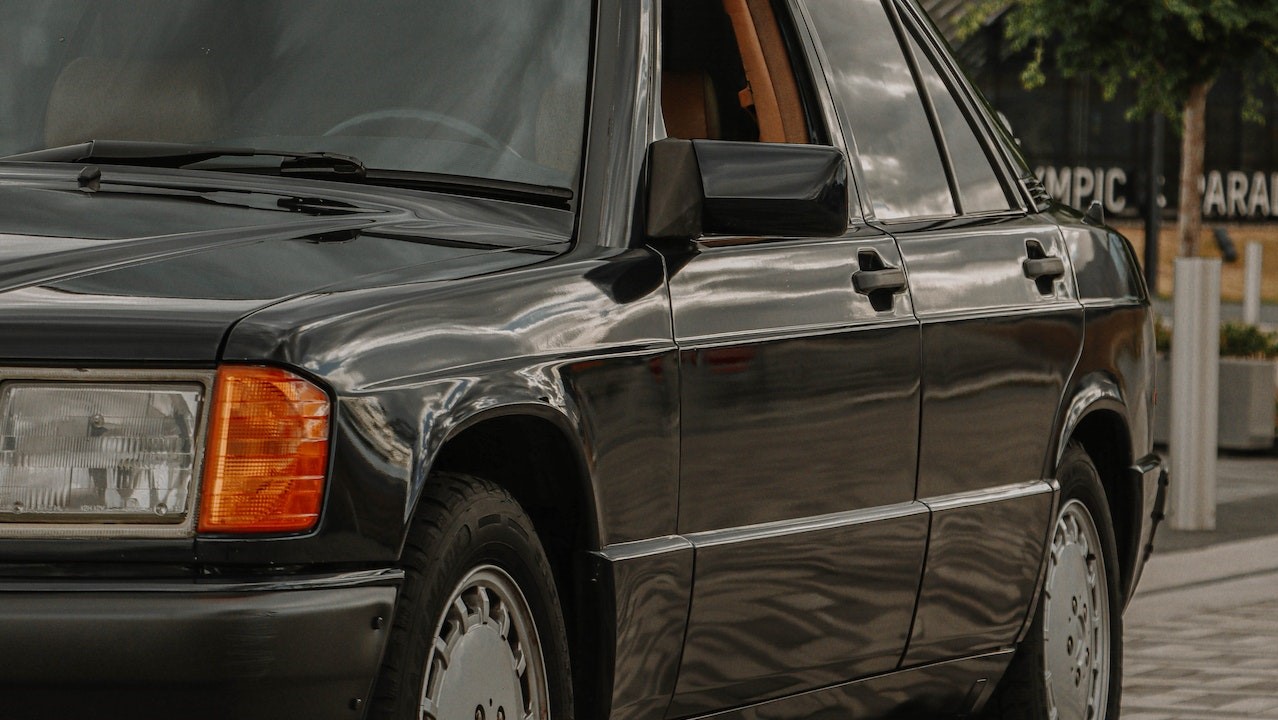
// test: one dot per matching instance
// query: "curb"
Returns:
(1192, 581)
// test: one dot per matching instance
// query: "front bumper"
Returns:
(1151, 481)
(301, 648)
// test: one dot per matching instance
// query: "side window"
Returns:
(882, 109)
(726, 73)
(980, 189)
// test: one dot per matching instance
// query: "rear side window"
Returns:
(882, 110)
(978, 184)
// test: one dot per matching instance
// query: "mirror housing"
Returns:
(715, 187)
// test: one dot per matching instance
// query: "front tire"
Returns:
(478, 631)
(1069, 666)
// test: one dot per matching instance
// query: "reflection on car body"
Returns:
(536, 359)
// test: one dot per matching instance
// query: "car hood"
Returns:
(155, 266)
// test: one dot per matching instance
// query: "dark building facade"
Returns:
(1085, 149)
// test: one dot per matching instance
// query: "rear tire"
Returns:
(1069, 666)
(478, 631)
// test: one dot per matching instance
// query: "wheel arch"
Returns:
(502, 443)
(533, 451)
(1097, 419)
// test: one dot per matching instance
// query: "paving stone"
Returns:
(1220, 665)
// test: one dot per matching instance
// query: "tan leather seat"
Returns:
(98, 98)
(689, 106)
(773, 91)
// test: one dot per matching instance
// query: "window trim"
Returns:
(960, 85)
(786, 16)
(835, 118)
(831, 112)
(902, 33)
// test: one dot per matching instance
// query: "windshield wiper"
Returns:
(318, 165)
(179, 155)
(546, 195)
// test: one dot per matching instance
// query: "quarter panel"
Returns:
(1116, 373)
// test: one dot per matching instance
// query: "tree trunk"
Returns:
(1193, 150)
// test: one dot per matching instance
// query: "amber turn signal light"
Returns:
(267, 455)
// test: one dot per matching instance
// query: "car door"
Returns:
(1001, 323)
(799, 365)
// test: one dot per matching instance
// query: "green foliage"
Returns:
(1236, 340)
(1164, 47)
(1247, 341)
(1162, 336)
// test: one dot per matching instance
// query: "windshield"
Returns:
(493, 89)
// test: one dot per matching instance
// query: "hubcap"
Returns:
(1075, 619)
(485, 661)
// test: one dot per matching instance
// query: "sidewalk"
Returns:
(1246, 505)
(1228, 311)
(1202, 632)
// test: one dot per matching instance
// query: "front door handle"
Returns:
(1045, 267)
(877, 280)
(874, 281)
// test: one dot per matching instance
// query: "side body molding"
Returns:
(977, 594)
(646, 586)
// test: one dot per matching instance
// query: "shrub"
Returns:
(1247, 341)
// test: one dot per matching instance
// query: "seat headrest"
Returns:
(103, 98)
(689, 106)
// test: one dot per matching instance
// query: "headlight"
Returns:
(123, 453)
(97, 452)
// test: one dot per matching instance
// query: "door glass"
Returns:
(979, 186)
(882, 109)
(726, 73)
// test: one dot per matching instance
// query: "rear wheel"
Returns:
(478, 634)
(1069, 667)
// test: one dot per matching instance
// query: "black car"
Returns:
(546, 359)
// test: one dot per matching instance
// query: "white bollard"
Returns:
(1255, 261)
(1194, 393)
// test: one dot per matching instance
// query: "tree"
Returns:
(1172, 51)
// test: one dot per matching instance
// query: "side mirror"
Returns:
(714, 187)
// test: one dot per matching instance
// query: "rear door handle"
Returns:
(1042, 268)
(873, 281)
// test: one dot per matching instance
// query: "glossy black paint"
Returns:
(646, 585)
(983, 566)
(778, 612)
(800, 394)
(942, 690)
(1112, 390)
(773, 189)
(702, 187)
(774, 490)
(289, 650)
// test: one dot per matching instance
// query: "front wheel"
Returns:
(479, 634)
(1069, 667)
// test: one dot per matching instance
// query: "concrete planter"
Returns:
(1247, 393)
